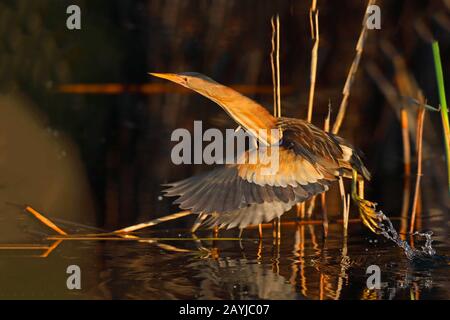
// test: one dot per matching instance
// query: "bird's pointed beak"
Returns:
(168, 76)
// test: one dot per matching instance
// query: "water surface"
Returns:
(304, 265)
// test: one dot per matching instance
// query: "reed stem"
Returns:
(443, 102)
(420, 119)
(314, 56)
(352, 72)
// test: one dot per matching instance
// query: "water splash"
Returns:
(388, 231)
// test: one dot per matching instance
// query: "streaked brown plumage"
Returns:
(238, 195)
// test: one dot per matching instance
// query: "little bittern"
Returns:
(238, 195)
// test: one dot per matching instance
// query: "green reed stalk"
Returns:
(443, 103)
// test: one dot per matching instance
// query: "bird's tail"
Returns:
(358, 165)
(351, 159)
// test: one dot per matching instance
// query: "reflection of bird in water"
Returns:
(237, 195)
(239, 278)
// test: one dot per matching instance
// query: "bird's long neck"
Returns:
(246, 112)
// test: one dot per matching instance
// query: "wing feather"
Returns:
(223, 190)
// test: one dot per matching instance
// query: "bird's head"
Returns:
(192, 80)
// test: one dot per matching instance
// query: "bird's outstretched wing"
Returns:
(239, 195)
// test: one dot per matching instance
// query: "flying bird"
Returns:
(241, 194)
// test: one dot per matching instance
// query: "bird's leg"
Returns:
(276, 234)
(311, 206)
(301, 210)
(274, 228)
(279, 229)
(260, 231)
(361, 188)
(367, 209)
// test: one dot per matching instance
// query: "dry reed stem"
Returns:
(153, 222)
(326, 128)
(275, 64)
(324, 214)
(352, 72)
(272, 63)
(420, 120)
(326, 124)
(278, 67)
(406, 169)
(405, 206)
(314, 56)
(45, 220)
(406, 144)
(51, 249)
(274, 85)
(313, 7)
(13, 246)
(418, 225)
(275, 22)
(314, 27)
